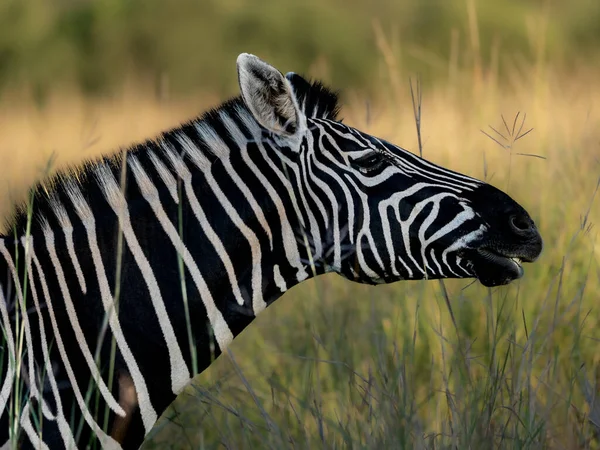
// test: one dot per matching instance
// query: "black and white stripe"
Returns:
(247, 201)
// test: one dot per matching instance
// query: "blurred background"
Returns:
(334, 364)
(185, 45)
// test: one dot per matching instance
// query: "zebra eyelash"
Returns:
(370, 162)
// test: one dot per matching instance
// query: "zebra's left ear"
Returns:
(269, 96)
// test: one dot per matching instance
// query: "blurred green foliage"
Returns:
(95, 45)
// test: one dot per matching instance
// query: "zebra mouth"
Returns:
(495, 269)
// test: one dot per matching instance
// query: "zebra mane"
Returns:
(314, 99)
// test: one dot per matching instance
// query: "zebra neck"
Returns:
(164, 254)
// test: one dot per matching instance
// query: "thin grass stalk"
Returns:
(184, 296)
(20, 321)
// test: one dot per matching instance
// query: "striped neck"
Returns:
(193, 233)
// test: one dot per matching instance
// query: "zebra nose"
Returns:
(522, 225)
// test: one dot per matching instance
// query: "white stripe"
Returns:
(440, 272)
(410, 162)
(429, 168)
(461, 243)
(435, 200)
(26, 424)
(219, 325)
(220, 328)
(313, 224)
(258, 303)
(180, 373)
(426, 168)
(279, 280)
(63, 425)
(74, 322)
(106, 441)
(34, 393)
(458, 261)
(65, 224)
(186, 177)
(84, 212)
(408, 269)
(290, 245)
(447, 266)
(305, 164)
(382, 177)
(10, 342)
(458, 220)
(217, 146)
(335, 210)
(165, 175)
(394, 201)
(333, 174)
(365, 231)
(387, 237)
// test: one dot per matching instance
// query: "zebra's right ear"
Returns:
(269, 96)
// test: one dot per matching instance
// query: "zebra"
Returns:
(207, 224)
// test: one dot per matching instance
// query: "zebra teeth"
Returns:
(517, 261)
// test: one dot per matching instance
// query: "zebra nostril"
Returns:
(520, 224)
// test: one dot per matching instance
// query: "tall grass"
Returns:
(414, 364)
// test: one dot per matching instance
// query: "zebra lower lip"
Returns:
(494, 255)
(499, 265)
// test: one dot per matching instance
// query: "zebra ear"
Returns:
(269, 96)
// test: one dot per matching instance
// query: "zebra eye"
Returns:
(370, 162)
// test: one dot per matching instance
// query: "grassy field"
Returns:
(414, 364)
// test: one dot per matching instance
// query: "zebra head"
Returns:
(372, 211)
